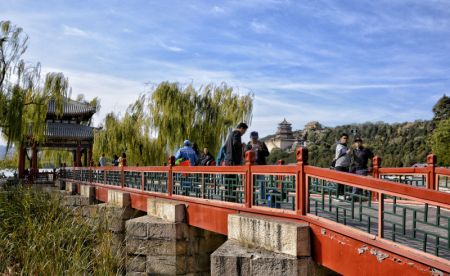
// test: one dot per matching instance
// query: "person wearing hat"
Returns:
(360, 160)
(187, 153)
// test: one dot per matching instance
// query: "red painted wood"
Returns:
(387, 187)
(351, 257)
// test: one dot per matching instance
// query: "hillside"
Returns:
(399, 144)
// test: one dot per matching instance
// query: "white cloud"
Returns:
(217, 10)
(258, 27)
(74, 31)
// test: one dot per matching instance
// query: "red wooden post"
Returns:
(376, 164)
(170, 176)
(302, 186)
(142, 181)
(78, 156)
(431, 165)
(249, 161)
(280, 162)
(89, 156)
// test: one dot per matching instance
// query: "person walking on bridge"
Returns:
(361, 157)
(343, 160)
(233, 146)
(187, 153)
(102, 160)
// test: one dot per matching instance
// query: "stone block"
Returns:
(162, 265)
(60, 184)
(137, 228)
(272, 234)
(168, 210)
(232, 258)
(119, 199)
(71, 188)
(136, 263)
(87, 191)
(161, 229)
(156, 247)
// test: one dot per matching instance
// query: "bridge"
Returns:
(398, 223)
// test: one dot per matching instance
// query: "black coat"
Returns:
(233, 148)
(262, 153)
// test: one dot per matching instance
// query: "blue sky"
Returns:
(336, 62)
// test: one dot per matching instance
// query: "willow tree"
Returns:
(130, 133)
(204, 116)
(23, 98)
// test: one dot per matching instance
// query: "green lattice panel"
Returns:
(412, 180)
(85, 175)
(421, 226)
(76, 175)
(155, 182)
(187, 184)
(443, 183)
(132, 179)
(224, 187)
(274, 191)
(351, 209)
(98, 176)
(113, 178)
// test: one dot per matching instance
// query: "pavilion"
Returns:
(71, 131)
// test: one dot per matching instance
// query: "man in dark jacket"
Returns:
(361, 157)
(233, 146)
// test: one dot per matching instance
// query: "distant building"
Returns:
(284, 138)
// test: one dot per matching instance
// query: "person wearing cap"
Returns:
(187, 153)
(360, 160)
(233, 146)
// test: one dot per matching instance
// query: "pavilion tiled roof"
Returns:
(71, 108)
(69, 131)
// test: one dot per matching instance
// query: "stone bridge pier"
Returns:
(161, 242)
(265, 246)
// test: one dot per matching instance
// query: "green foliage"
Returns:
(155, 126)
(440, 142)
(40, 237)
(23, 100)
(441, 109)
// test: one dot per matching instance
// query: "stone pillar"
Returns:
(162, 243)
(264, 246)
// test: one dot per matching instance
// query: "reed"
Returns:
(38, 236)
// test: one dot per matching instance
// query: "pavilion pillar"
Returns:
(85, 158)
(74, 155)
(78, 156)
(34, 165)
(90, 163)
(22, 152)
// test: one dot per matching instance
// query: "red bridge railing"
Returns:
(404, 219)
